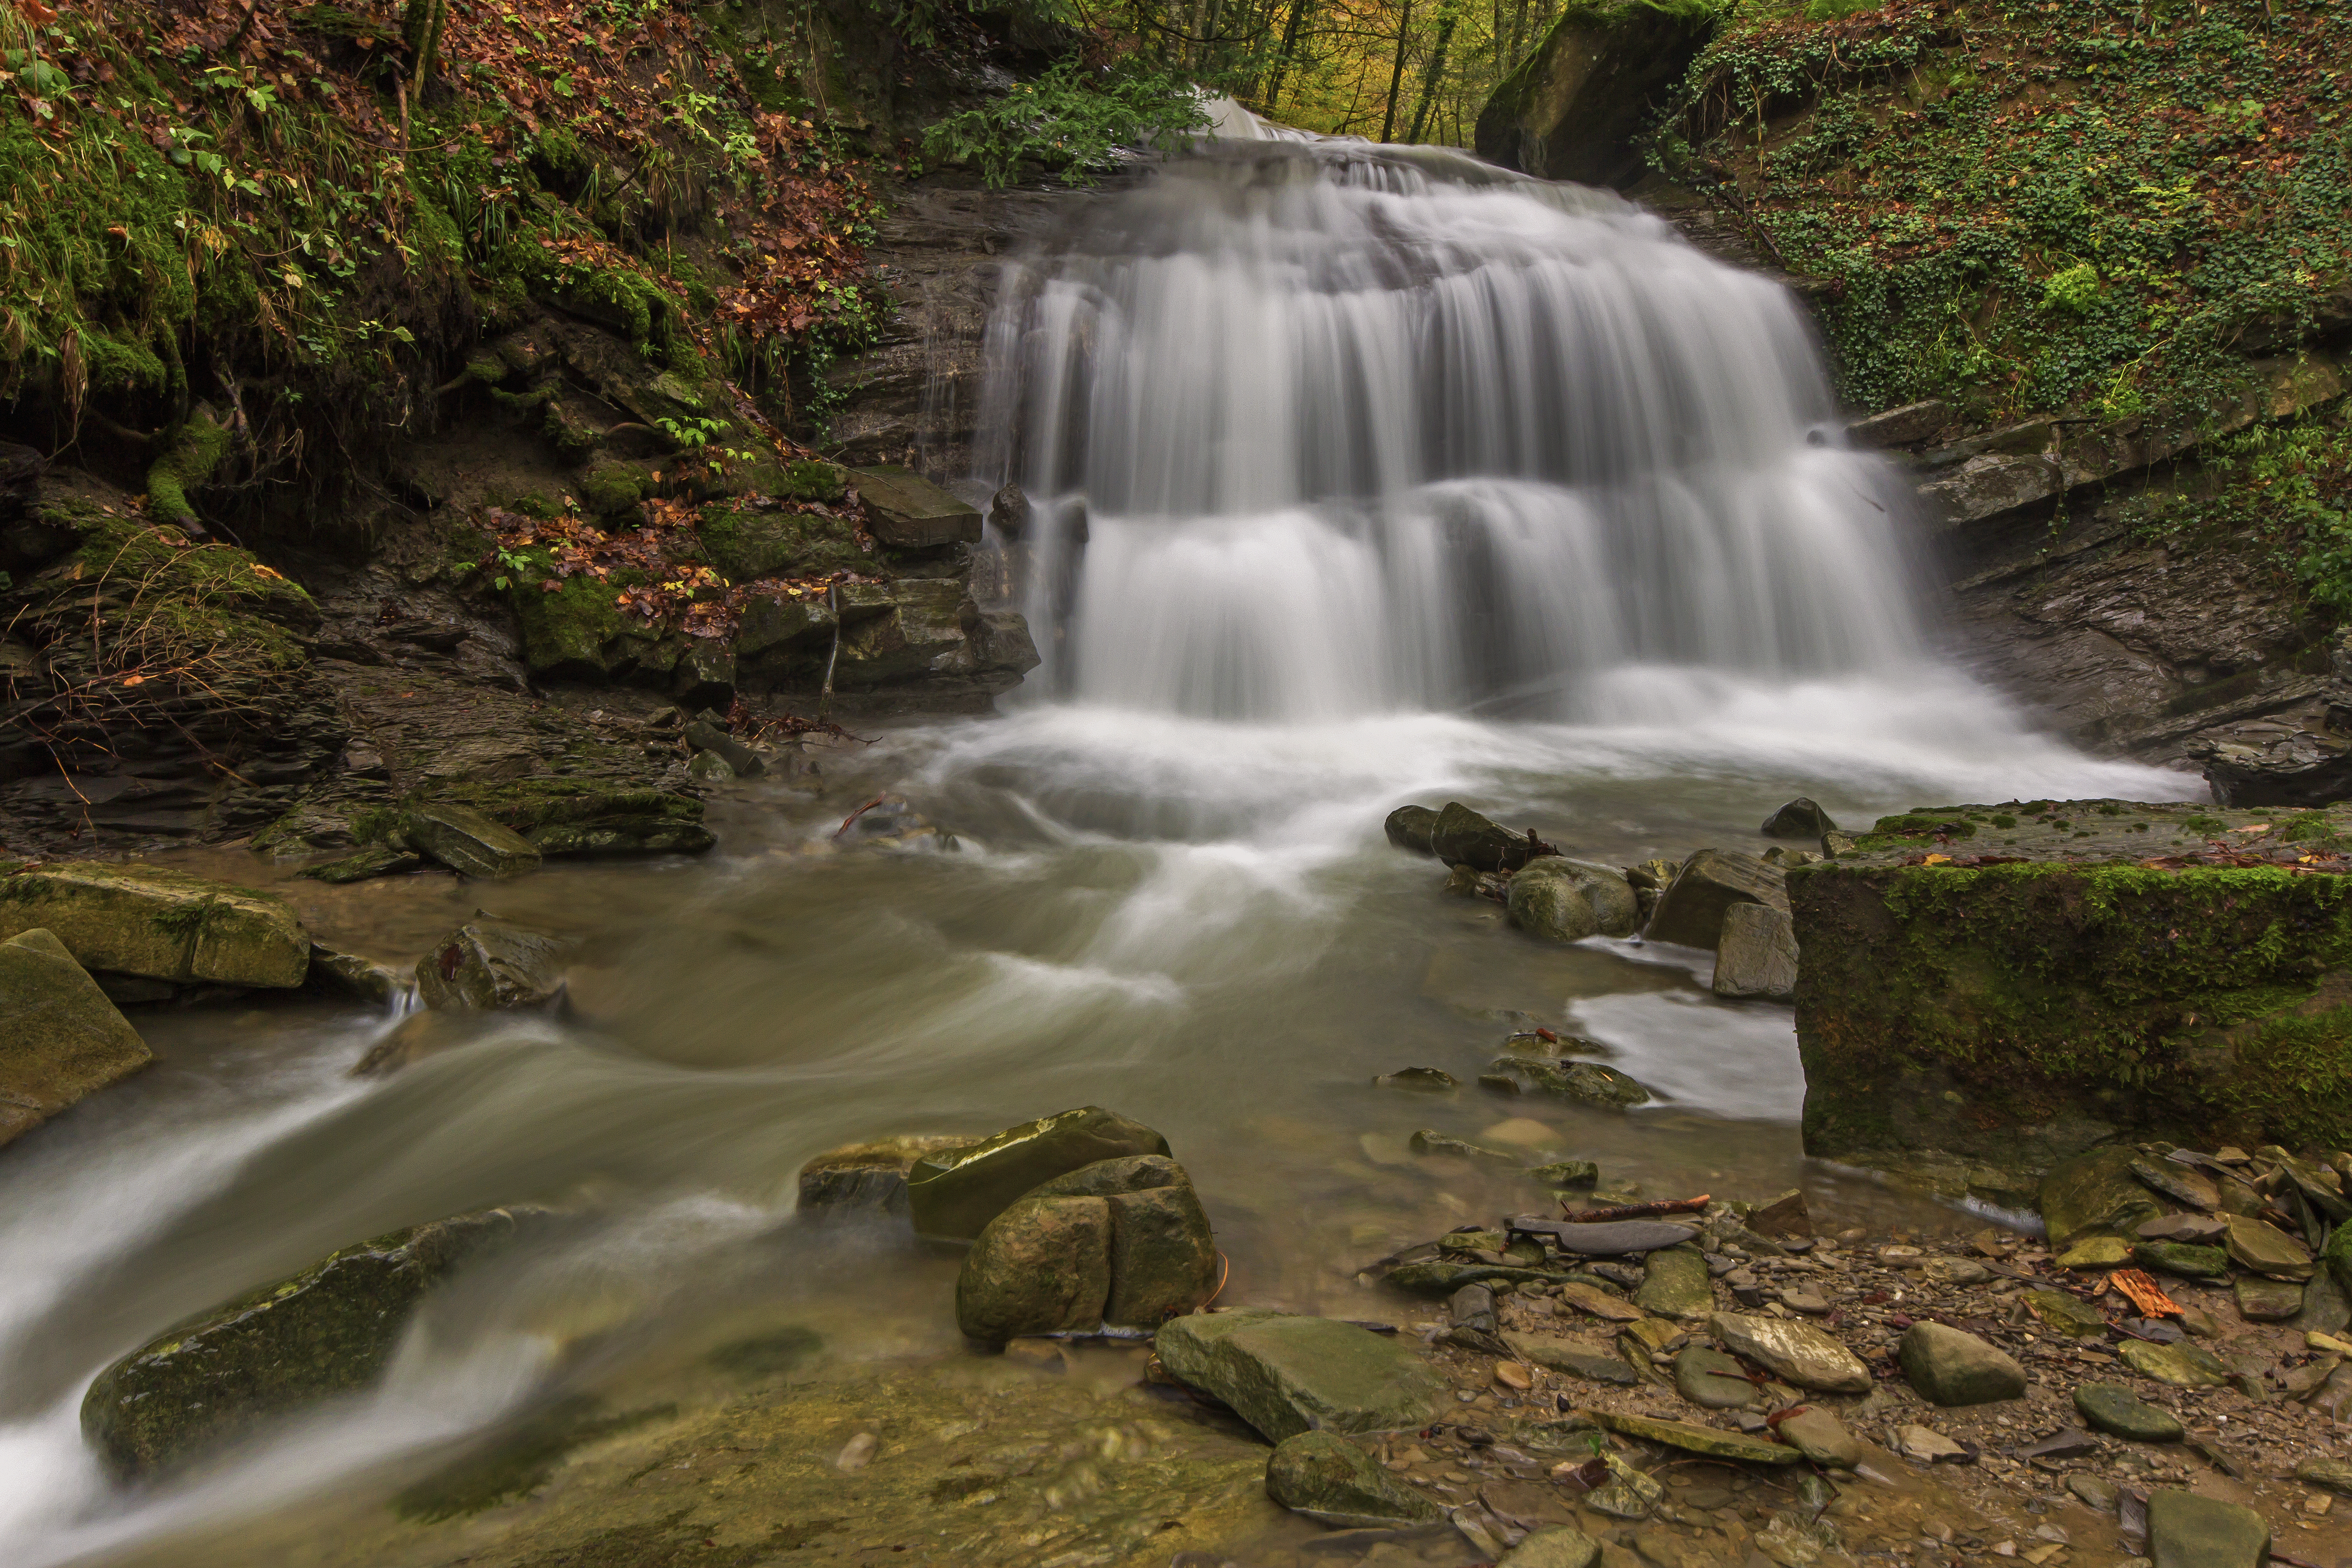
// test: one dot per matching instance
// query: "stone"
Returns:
(468, 842)
(1800, 819)
(2178, 1182)
(1574, 1357)
(1555, 1546)
(1563, 899)
(136, 919)
(1620, 1237)
(2189, 1262)
(1690, 911)
(1756, 954)
(954, 1193)
(1712, 1379)
(1588, 1083)
(2268, 1300)
(2115, 1410)
(330, 1329)
(1472, 1307)
(1798, 1354)
(1286, 1374)
(867, 1178)
(1461, 836)
(1435, 1278)
(2197, 1229)
(1335, 1482)
(2096, 1252)
(1785, 1215)
(2091, 1492)
(2095, 1194)
(707, 738)
(2066, 1314)
(2336, 1474)
(487, 965)
(1953, 1271)
(60, 1039)
(1411, 828)
(1694, 1439)
(1429, 1140)
(2325, 1307)
(370, 861)
(1629, 1493)
(1041, 1266)
(1675, 1284)
(357, 975)
(1576, 1174)
(907, 512)
(2186, 1530)
(2181, 1366)
(1806, 1302)
(1928, 1445)
(1593, 1301)
(1946, 1366)
(1574, 107)
(589, 816)
(1163, 1255)
(2266, 1249)
(1421, 1080)
(1822, 1437)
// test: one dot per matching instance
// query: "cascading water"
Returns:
(1320, 429)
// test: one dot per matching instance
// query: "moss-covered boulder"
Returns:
(953, 1193)
(1563, 899)
(1572, 108)
(1286, 1374)
(588, 816)
(1042, 1266)
(60, 1039)
(744, 543)
(2022, 1012)
(491, 965)
(165, 925)
(1333, 1481)
(576, 632)
(329, 1329)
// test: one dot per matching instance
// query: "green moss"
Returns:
(747, 545)
(186, 461)
(572, 631)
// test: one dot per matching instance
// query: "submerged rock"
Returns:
(1461, 836)
(1948, 1367)
(136, 919)
(1707, 1440)
(488, 965)
(867, 1178)
(2115, 1410)
(1575, 1357)
(1568, 901)
(1554, 1546)
(60, 1039)
(1588, 1082)
(1756, 954)
(953, 1193)
(1410, 828)
(1800, 819)
(2186, 1530)
(1712, 1379)
(329, 1329)
(1421, 1081)
(1286, 1374)
(1690, 911)
(1333, 1481)
(422, 1034)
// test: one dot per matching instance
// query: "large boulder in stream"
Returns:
(330, 1329)
(1690, 911)
(60, 1039)
(493, 965)
(954, 1194)
(1123, 1242)
(1563, 899)
(1757, 953)
(1461, 836)
(1574, 106)
(163, 925)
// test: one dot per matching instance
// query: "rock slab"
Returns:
(1948, 1367)
(60, 1039)
(468, 842)
(1691, 911)
(1795, 1353)
(135, 920)
(2185, 1531)
(1333, 1481)
(1757, 954)
(1285, 1375)
(955, 1192)
(1560, 1546)
(2115, 1410)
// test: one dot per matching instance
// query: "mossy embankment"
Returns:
(2012, 985)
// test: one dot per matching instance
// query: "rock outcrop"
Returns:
(954, 1194)
(60, 1039)
(1572, 108)
(163, 925)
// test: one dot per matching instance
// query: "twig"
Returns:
(1634, 1211)
(861, 811)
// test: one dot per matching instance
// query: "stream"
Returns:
(1356, 478)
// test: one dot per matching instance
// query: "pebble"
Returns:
(856, 1452)
(1806, 1302)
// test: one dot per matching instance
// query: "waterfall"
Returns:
(1313, 430)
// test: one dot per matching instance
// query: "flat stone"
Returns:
(1954, 1271)
(2178, 1182)
(2185, 1531)
(1756, 954)
(870, 1177)
(330, 1329)
(1288, 1375)
(1822, 1437)
(1804, 1302)
(1928, 1445)
(1948, 1367)
(468, 842)
(1675, 1284)
(2066, 1443)
(1690, 911)
(2099, 1496)
(2179, 1258)
(2115, 1410)
(2196, 1228)
(1629, 1493)
(2325, 1307)
(2096, 1252)
(1572, 1173)
(1585, 1083)
(1798, 1353)
(136, 919)
(2066, 1314)
(1333, 1481)
(1785, 1215)
(491, 965)
(2181, 1366)
(1042, 1266)
(1696, 1439)
(906, 511)
(955, 1192)
(1619, 1238)
(1712, 1379)
(2336, 1474)
(1576, 1358)
(2268, 1300)
(1421, 1080)
(60, 1039)
(1430, 1141)
(1436, 1276)
(1558, 1546)
(1600, 1303)
(2094, 1194)
(2266, 1249)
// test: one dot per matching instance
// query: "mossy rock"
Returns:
(330, 1329)
(581, 816)
(744, 545)
(577, 631)
(62, 1037)
(163, 925)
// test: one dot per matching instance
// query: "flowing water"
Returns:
(1357, 478)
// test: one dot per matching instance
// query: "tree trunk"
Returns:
(1396, 72)
(1282, 61)
(1429, 79)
